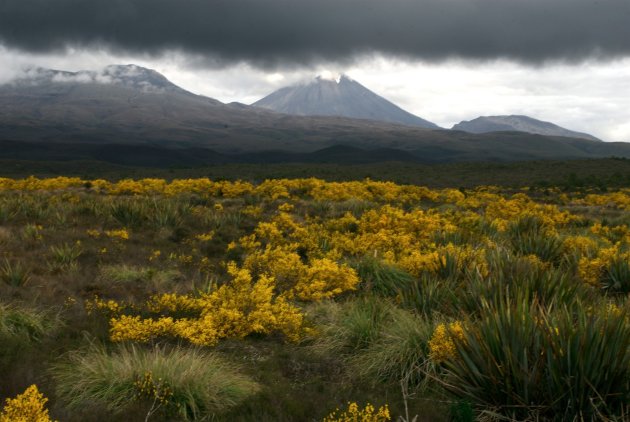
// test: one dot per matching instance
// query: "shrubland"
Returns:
(301, 299)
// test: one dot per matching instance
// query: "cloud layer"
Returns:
(268, 33)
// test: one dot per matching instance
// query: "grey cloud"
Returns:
(267, 33)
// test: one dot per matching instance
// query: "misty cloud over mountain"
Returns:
(134, 76)
(269, 33)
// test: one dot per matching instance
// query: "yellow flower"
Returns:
(205, 237)
(442, 344)
(26, 407)
(93, 233)
(355, 414)
(122, 234)
(286, 207)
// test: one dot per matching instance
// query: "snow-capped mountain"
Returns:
(340, 96)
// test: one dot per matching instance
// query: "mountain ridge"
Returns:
(57, 109)
(518, 123)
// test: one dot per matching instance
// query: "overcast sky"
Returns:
(566, 61)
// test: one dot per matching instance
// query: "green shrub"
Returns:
(167, 213)
(185, 384)
(512, 276)
(521, 361)
(64, 256)
(587, 372)
(548, 248)
(500, 365)
(34, 208)
(526, 226)
(429, 295)
(528, 236)
(129, 213)
(617, 276)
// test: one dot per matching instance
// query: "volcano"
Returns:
(343, 97)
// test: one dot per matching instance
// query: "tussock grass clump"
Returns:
(353, 325)
(185, 384)
(382, 278)
(14, 273)
(23, 324)
(21, 329)
(401, 352)
(65, 256)
(377, 340)
(129, 274)
(129, 213)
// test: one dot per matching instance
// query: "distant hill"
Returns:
(132, 115)
(517, 123)
(342, 97)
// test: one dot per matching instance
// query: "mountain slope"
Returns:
(342, 97)
(82, 115)
(518, 123)
(130, 104)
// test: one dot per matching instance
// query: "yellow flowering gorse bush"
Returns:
(442, 343)
(354, 413)
(237, 309)
(30, 406)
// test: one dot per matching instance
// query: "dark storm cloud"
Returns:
(268, 32)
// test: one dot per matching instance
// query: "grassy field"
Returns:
(285, 299)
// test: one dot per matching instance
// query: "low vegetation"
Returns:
(301, 299)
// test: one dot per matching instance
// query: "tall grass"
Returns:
(353, 325)
(400, 354)
(194, 384)
(20, 329)
(23, 323)
(382, 278)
